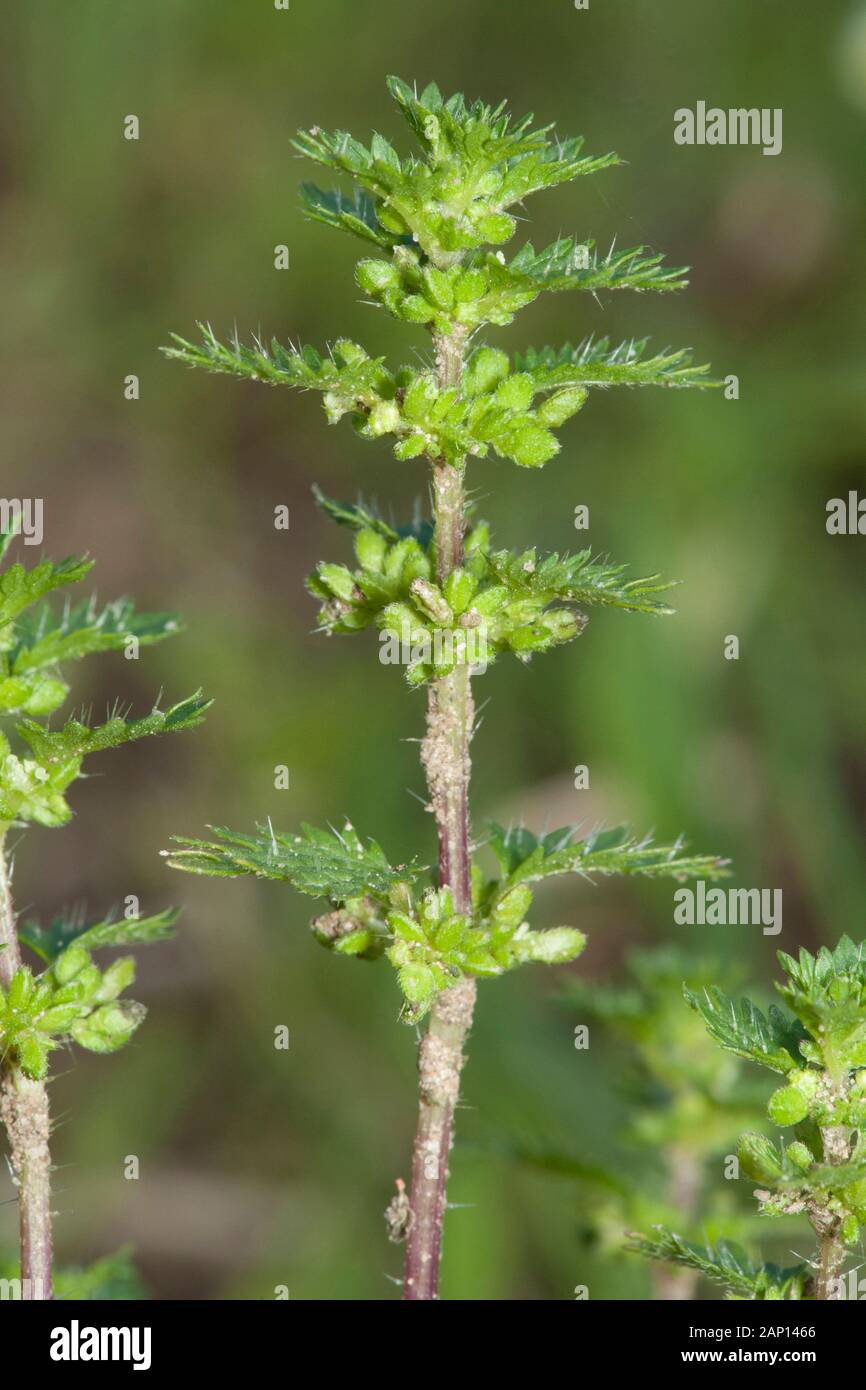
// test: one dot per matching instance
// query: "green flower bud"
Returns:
(800, 1155)
(417, 983)
(553, 947)
(484, 370)
(469, 286)
(437, 287)
(491, 600)
(374, 276)
(33, 1056)
(758, 1158)
(118, 977)
(511, 911)
(849, 1230)
(47, 694)
(562, 405)
(370, 548)
(406, 927)
(530, 446)
(416, 309)
(20, 989)
(460, 587)
(515, 393)
(410, 447)
(431, 600)
(348, 354)
(449, 934)
(787, 1106)
(108, 1027)
(497, 228)
(58, 1018)
(384, 418)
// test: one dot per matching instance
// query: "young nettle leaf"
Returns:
(354, 213)
(772, 1042)
(725, 1264)
(595, 363)
(603, 852)
(75, 740)
(323, 863)
(44, 638)
(20, 587)
(49, 942)
(446, 605)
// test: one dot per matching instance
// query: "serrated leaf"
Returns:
(361, 516)
(355, 213)
(45, 638)
(277, 365)
(741, 1028)
(568, 265)
(726, 1264)
(76, 740)
(578, 579)
(593, 362)
(20, 587)
(603, 852)
(49, 942)
(322, 863)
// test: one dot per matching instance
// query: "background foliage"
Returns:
(261, 1167)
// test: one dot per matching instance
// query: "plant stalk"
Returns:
(445, 757)
(836, 1141)
(24, 1112)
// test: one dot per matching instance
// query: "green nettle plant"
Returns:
(819, 1048)
(448, 603)
(68, 998)
(686, 1102)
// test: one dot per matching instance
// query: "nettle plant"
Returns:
(449, 602)
(66, 998)
(687, 1101)
(819, 1048)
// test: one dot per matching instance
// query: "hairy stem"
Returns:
(445, 757)
(24, 1112)
(836, 1141)
(831, 1257)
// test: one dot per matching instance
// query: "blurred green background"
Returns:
(260, 1167)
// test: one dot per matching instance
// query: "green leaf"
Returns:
(323, 863)
(49, 942)
(356, 214)
(20, 587)
(348, 370)
(44, 638)
(773, 1041)
(76, 740)
(595, 363)
(725, 1264)
(361, 516)
(578, 579)
(602, 852)
(568, 265)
